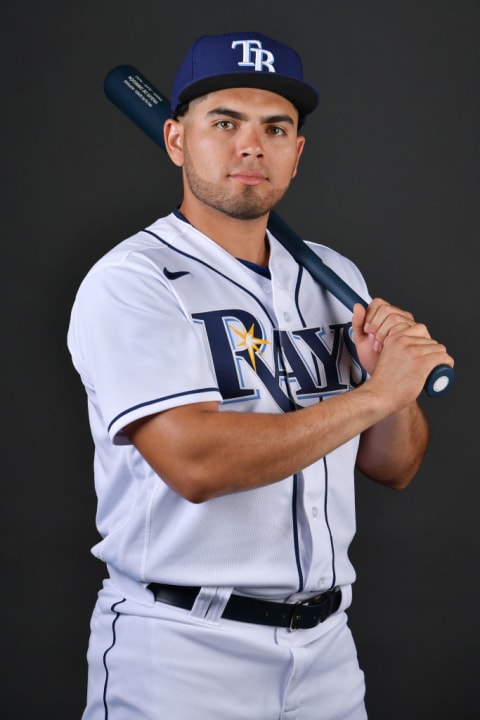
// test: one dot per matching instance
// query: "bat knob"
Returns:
(439, 380)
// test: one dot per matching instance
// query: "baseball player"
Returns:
(230, 399)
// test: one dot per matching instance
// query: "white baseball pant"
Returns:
(161, 663)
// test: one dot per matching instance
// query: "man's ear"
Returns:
(173, 136)
(300, 146)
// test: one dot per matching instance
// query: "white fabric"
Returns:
(167, 318)
(164, 319)
(160, 662)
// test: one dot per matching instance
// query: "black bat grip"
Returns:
(148, 108)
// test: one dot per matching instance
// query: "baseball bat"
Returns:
(148, 108)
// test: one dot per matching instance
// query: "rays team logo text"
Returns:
(293, 366)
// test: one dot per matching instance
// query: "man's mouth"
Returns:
(248, 177)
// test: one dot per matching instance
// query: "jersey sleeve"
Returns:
(134, 346)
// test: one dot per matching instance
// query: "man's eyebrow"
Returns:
(229, 113)
(272, 119)
(235, 115)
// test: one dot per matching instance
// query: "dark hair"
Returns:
(180, 110)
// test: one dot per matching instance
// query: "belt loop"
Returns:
(210, 603)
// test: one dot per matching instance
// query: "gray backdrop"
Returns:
(390, 178)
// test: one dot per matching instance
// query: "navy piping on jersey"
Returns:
(260, 269)
(325, 464)
(114, 640)
(295, 532)
(325, 511)
(297, 294)
(297, 303)
(214, 269)
(162, 399)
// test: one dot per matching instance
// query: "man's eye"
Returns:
(225, 124)
(276, 130)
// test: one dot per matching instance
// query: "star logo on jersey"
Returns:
(251, 343)
(294, 366)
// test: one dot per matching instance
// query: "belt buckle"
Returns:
(296, 609)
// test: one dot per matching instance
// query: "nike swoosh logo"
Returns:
(171, 275)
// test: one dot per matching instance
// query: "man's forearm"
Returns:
(203, 453)
(391, 451)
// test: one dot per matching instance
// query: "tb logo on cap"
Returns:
(254, 55)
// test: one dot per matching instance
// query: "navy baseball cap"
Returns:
(242, 59)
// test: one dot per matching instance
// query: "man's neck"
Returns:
(244, 239)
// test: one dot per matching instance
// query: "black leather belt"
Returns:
(302, 614)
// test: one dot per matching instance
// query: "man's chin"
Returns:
(252, 208)
(247, 213)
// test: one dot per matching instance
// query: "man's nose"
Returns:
(250, 141)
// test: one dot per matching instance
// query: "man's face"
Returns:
(239, 151)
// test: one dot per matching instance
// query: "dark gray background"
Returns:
(389, 178)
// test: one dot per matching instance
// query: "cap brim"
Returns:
(301, 94)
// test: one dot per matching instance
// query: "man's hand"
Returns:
(395, 349)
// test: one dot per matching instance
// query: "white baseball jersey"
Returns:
(167, 318)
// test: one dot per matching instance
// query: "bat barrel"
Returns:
(139, 100)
